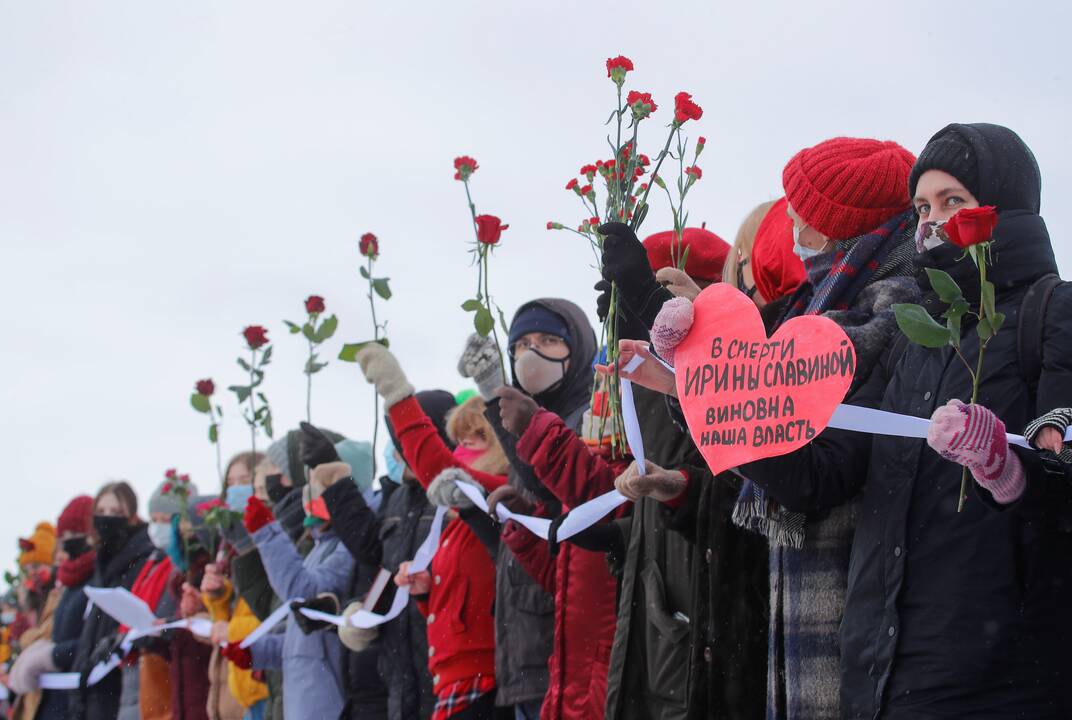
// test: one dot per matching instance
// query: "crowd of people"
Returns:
(836, 581)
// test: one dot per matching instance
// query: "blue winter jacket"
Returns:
(312, 665)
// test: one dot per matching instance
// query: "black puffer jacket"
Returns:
(100, 631)
(947, 614)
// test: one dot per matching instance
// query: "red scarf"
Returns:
(76, 571)
(151, 582)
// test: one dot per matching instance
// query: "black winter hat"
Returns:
(992, 162)
(435, 404)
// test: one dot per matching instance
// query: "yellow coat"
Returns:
(241, 622)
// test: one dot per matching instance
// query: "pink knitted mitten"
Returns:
(974, 437)
(671, 326)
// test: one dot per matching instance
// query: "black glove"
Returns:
(625, 262)
(552, 534)
(602, 537)
(324, 602)
(276, 489)
(290, 513)
(315, 448)
(629, 328)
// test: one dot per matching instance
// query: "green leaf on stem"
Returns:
(684, 258)
(267, 424)
(984, 329)
(953, 323)
(312, 366)
(364, 272)
(997, 321)
(472, 305)
(244, 365)
(294, 329)
(309, 333)
(219, 411)
(327, 329)
(988, 299)
(350, 350)
(267, 356)
(201, 403)
(958, 308)
(241, 391)
(382, 288)
(919, 327)
(213, 433)
(944, 284)
(483, 321)
(502, 321)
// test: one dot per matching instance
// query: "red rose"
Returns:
(617, 67)
(488, 229)
(571, 184)
(972, 226)
(589, 170)
(184, 479)
(641, 104)
(256, 336)
(171, 474)
(695, 171)
(314, 304)
(465, 167)
(685, 109)
(166, 489)
(369, 246)
(205, 387)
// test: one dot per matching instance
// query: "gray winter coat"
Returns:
(312, 664)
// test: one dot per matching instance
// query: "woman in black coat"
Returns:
(954, 614)
(122, 546)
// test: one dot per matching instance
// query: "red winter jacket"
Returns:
(459, 608)
(584, 590)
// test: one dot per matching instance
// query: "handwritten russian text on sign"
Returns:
(747, 396)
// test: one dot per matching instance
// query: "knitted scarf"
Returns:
(75, 571)
(834, 281)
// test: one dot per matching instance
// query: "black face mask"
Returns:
(111, 529)
(75, 547)
(276, 489)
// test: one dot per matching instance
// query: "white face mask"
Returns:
(537, 373)
(160, 535)
(799, 250)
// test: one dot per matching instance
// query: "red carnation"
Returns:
(465, 167)
(552, 225)
(184, 479)
(205, 387)
(586, 190)
(685, 109)
(972, 226)
(488, 229)
(643, 159)
(695, 171)
(609, 164)
(171, 474)
(314, 304)
(369, 246)
(256, 336)
(166, 489)
(641, 104)
(617, 67)
(571, 184)
(593, 221)
(589, 170)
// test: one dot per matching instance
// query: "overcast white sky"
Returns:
(171, 172)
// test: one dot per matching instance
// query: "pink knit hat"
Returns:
(846, 187)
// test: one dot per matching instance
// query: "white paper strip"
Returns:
(629, 417)
(58, 681)
(122, 605)
(270, 622)
(588, 514)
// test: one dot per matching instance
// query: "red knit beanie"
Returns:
(846, 187)
(77, 517)
(776, 269)
(707, 252)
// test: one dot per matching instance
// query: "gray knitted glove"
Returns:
(382, 370)
(480, 361)
(444, 492)
(355, 638)
(31, 662)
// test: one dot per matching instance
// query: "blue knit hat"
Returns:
(538, 319)
(358, 455)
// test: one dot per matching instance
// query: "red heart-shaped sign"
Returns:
(747, 396)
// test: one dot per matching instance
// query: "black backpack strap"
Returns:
(1031, 327)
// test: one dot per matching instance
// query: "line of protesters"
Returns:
(837, 581)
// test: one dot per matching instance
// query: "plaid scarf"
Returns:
(834, 281)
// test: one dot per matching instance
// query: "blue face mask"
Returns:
(395, 468)
(804, 253)
(238, 497)
(175, 549)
